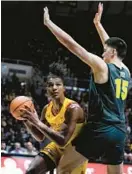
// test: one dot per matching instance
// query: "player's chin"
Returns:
(55, 97)
(105, 59)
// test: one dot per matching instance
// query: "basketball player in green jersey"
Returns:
(105, 132)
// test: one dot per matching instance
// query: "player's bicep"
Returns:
(75, 114)
(70, 130)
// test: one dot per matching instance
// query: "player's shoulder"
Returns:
(75, 112)
(73, 105)
(44, 109)
(48, 105)
(42, 118)
(125, 67)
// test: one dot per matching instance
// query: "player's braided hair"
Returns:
(57, 70)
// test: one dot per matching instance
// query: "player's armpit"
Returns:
(101, 77)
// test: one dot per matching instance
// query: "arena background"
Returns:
(27, 49)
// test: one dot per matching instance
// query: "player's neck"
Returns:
(57, 103)
(117, 62)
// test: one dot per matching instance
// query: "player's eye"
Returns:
(49, 84)
(58, 84)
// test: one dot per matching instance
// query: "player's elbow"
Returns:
(40, 138)
(62, 143)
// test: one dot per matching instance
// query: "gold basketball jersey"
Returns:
(78, 163)
(56, 121)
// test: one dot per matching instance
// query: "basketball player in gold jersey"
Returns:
(61, 121)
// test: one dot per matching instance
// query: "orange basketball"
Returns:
(18, 103)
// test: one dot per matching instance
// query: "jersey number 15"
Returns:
(121, 88)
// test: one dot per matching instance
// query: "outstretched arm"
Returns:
(97, 21)
(95, 62)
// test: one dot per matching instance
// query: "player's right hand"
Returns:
(98, 15)
(46, 16)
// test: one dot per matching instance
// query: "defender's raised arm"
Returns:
(95, 62)
(100, 29)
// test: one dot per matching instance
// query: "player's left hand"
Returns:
(29, 115)
(46, 16)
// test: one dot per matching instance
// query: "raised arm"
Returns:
(95, 62)
(97, 22)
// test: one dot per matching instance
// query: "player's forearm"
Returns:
(69, 43)
(66, 40)
(102, 33)
(60, 34)
(51, 134)
(38, 135)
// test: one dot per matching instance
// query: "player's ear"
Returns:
(114, 52)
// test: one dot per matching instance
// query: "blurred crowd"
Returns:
(16, 139)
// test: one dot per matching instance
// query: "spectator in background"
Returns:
(128, 151)
(4, 148)
(30, 149)
(15, 83)
(17, 149)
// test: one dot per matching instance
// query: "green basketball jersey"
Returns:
(107, 101)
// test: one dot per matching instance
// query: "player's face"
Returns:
(108, 54)
(55, 88)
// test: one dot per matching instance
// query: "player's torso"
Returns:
(56, 121)
(107, 100)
